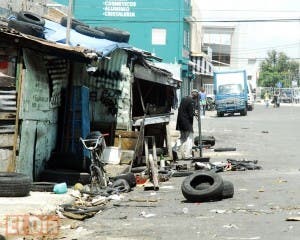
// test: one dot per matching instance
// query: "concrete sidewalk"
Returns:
(37, 203)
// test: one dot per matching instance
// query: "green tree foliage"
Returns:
(277, 67)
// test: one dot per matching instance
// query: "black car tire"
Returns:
(228, 189)
(64, 175)
(213, 192)
(122, 185)
(225, 149)
(115, 34)
(206, 140)
(129, 177)
(220, 114)
(182, 173)
(91, 32)
(14, 184)
(42, 186)
(74, 22)
(31, 17)
(27, 28)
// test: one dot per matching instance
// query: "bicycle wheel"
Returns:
(98, 180)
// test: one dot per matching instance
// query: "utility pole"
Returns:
(24, 5)
(69, 20)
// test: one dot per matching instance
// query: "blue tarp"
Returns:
(57, 33)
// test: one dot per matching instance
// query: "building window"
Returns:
(159, 36)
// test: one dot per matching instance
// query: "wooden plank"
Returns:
(27, 148)
(7, 116)
(7, 129)
(7, 81)
(126, 143)
(127, 134)
(128, 139)
(6, 140)
(5, 157)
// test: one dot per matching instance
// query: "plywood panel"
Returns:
(26, 153)
(6, 140)
(5, 158)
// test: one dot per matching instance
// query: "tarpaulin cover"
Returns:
(57, 33)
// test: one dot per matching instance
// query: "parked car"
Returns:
(286, 96)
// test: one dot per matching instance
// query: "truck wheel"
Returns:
(244, 112)
(220, 114)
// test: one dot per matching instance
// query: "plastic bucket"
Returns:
(111, 155)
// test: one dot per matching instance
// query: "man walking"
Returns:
(184, 144)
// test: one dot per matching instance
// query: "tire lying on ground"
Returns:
(213, 191)
(14, 184)
(122, 185)
(71, 177)
(27, 28)
(42, 186)
(91, 32)
(129, 177)
(31, 17)
(206, 140)
(115, 34)
(225, 149)
(228, 189)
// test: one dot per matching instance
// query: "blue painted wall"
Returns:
(139, 17)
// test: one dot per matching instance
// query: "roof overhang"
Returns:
(27, 41)
(154, 74)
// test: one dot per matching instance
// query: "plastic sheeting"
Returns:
(57, 33)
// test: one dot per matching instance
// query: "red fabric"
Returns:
(3, 65)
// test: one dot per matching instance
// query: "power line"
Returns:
(195, 21)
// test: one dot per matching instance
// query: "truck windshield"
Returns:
(230, 89)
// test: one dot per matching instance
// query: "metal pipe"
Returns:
(199, 129)
(69, 19)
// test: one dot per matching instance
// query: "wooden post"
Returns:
(168, 141)
(69, 21)
(154, 172)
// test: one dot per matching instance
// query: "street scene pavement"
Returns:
(265, 204)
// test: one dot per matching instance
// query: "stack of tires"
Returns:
(28, 23)
(205, 186)
(14, 184)
(109, 33)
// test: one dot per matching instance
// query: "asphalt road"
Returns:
(262, 202)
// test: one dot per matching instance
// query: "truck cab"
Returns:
(231, 92)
